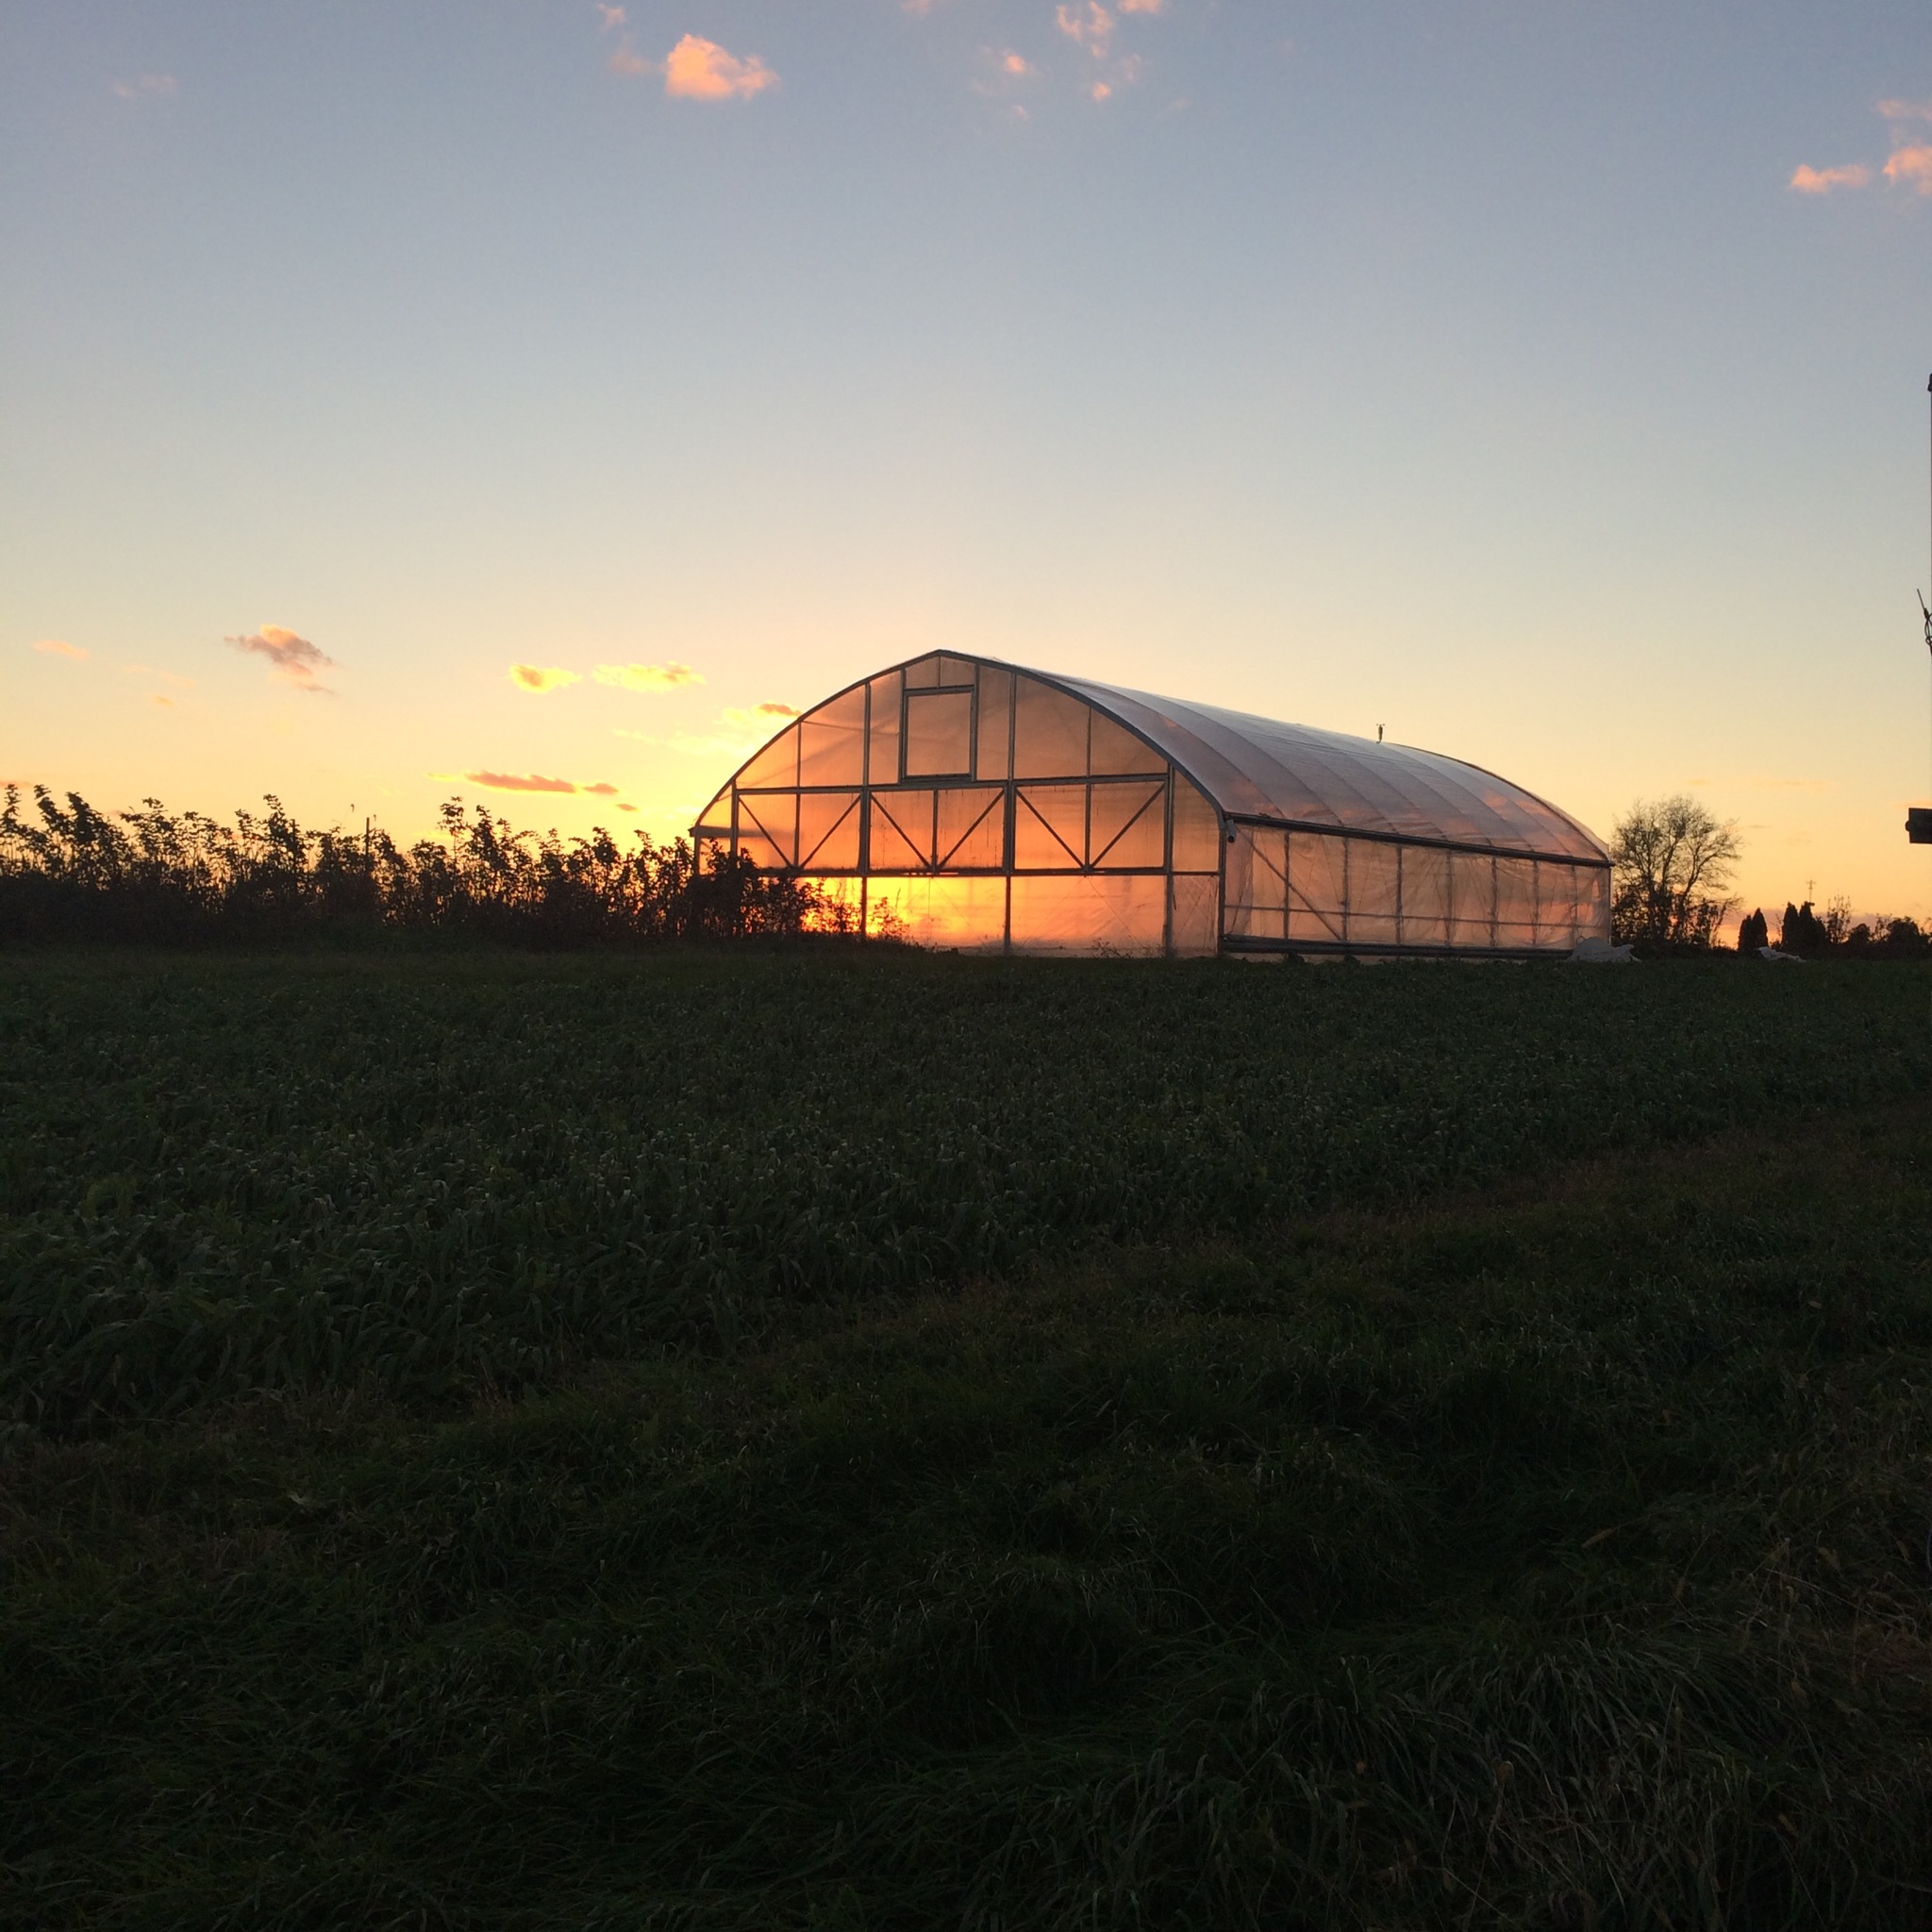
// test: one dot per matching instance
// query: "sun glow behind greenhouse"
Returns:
(969, 803)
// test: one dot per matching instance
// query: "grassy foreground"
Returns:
(864, 1442)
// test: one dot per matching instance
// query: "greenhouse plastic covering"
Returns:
(959, 801)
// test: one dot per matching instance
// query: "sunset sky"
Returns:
(398, 399)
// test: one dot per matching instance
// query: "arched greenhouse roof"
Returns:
(1263, 771)
(1258, 768)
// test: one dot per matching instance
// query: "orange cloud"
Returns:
(601, 790)
(145, 84)
(701, 69)
(59, 648)
(647, 676)
(1100, 91)
(1906, 110)
(1144, 5)
(510, 781)
(612, 18)
(543, 678)
(1017, 65)
(1911, 167)
(1090, 27)
(629, 60)
(622, 807)
(1823, 180)
(289, 656)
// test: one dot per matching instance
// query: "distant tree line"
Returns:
(1671, 862)
(1808, 936)
(70, 872)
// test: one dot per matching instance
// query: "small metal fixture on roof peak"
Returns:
(1378, 729)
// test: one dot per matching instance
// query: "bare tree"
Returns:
(1671, 862)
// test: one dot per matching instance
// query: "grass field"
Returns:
(841, 1439)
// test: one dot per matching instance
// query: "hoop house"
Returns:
(969, 803)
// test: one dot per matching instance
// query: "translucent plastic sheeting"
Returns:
(1257, 767)
(939, 734)
(882, 741)
(1196, 829)
(777, 764)
(1049, 732)
(828, 830)
(1194, 926)
(970, 913)
(1088, 913)
(970, 828)
(1049, 827)
(959, 827)
(996, 723)
(1323, 891)
(831, 741)
(941, 668)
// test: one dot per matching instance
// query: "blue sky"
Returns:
(1475, 370)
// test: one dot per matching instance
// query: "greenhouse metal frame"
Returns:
(961, 801)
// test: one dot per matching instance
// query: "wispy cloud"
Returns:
(701, 69)
(740, 729)
(59, 648)
(1144, 5)
(1089, 26)
(1911, 167)
(1823, 180)
(145, 84)
(513, 781)
(612, 18)
(647, 676)
(542, 678)
(289, 656)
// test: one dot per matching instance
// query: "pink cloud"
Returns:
(542, 678)
(1090, 27)
(59, 648)
(1906, 110)
(1823, 180)
(511, 781)
(1911, 167)
(629, 60)
(1144, 5)
(289, 656)
(145, 84)
(701, 69)
(612, 18)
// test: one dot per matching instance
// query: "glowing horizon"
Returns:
(542, 407)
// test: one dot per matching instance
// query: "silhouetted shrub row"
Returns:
(73, 873)
(1804, 933)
